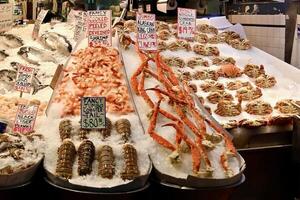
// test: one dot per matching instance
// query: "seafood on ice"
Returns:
(94, 72)
(19, 152)
(56, 42)
(66, 157)
(8, 78)
(35, 55)
(10, 41)
(171, 106)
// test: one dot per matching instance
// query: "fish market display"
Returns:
(94, 72)
(100, 161)
(55, 41)
(184, 142)
(19, 154)
(226, 73)
(18, 48)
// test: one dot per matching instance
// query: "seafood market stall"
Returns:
(117, 120)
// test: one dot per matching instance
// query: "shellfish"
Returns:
(258, 108)
(196, 61)
(86, 155)
(105, 132)
(265, 81)
(235, 85)
(229, 71)
(65, 129)
(174, 62)
(123, 128)
(215, 97)
(211, 86)
(248, 93)
(131, 170)
(223, 60)
(206, 74)
(228, 108)
(106, 161)
(82, 133)
(254, 71)
(66, 156)
(286, 106)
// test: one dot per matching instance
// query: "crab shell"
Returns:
(230, 71)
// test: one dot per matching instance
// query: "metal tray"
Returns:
(196, 182)
(136, 184)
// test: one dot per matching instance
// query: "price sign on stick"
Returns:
(186, 23)
(6, 17)
(25, 118)
(24, 79)
(99, 28)
(146, 36)
(38, 22)
(93, 112)
(80, 25)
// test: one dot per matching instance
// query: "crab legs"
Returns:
(186, 116)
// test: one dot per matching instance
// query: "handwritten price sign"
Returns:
(38, 22)
(99, 28)
(6, 17)
(186, 21)
(146, 36)
(93, 112)
(24, 79)
(80, 25)
(25, 118)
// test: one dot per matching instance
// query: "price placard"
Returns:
(6, 17)
(24, 79)
(38, 22)
(80, 25)
(146, 37)
(93, 112)
(99, 28)
(25, 118)
(186, 23)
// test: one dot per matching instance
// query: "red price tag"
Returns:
(186, 23)
(24, 79)
(99, 28)
(25, 118)
(146, 37)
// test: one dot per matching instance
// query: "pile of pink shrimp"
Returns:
(94, 72)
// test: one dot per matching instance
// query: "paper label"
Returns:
(6, 17)
(99, 28)
(80, 25)
(24, 79)
(25, 118)
(37, 24)
(146, 37)
(186, 23)
(71, 17)
(93, 112)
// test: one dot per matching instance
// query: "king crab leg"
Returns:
(153, 134)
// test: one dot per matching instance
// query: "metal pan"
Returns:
(137, 183)
(196, 182)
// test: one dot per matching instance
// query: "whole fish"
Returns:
(56, 42)
(34, 55)
(3, 55)
(8, 78)
(10, 41)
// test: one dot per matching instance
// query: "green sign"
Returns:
(93, 112)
